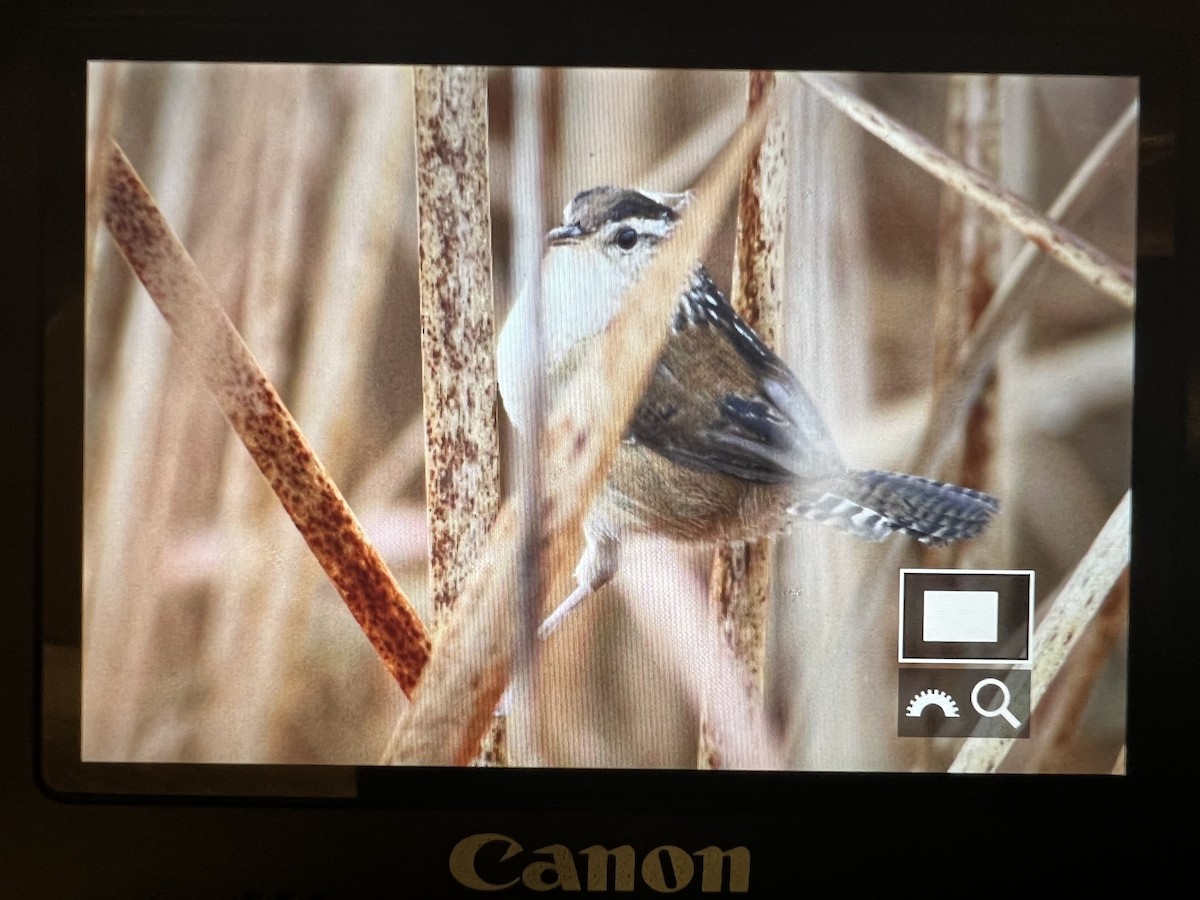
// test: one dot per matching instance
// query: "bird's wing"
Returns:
(720, 400)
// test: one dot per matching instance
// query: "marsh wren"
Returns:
(725, 444)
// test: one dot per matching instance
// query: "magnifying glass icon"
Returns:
(1002, 709)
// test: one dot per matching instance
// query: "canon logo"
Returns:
(496, 862)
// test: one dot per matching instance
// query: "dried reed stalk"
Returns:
(740, 580)
(1066, 698)
(968, 246)
(1007, 305)
(462, 474)
(1081, 596)
(253, 408)
(1090, 263)
(1010, 300)
(1058, 633)
(473, 661)
(462, 480)
(107, 84)
(536, 145)
(819, 642)
(268, 242)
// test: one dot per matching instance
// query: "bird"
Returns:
(724, 444)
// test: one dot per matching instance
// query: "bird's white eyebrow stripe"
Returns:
(656, 227)
(653, 226)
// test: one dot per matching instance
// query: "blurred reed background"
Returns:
(212, 635)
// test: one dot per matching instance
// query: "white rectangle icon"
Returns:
(961, 617)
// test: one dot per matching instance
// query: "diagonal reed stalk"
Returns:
(1074, 608)
(250, 403)
(1087, 261)
(1066, 699)
(473, 660)
(1008, 303)
(1010, 300)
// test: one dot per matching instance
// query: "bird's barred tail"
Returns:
(873, 505)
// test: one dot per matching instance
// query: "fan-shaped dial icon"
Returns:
(932, 697)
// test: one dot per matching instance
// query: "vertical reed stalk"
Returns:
(462, 479)
(740, 581)
(821, 640)
(536, 144)
(462, 484)
(968, 247)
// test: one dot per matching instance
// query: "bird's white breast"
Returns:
(580, 293)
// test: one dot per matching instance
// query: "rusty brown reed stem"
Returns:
(252, 406)
(462, 480)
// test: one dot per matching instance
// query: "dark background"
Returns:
(396, 839)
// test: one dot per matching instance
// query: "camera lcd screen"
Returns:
(869, 507)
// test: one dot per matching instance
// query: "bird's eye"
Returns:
(626, 238)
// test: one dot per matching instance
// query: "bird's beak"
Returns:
(564, 234)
